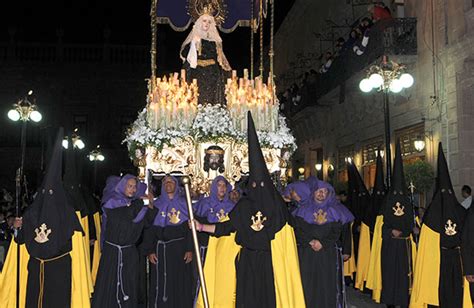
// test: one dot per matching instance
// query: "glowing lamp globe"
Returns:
(406, 80)
(365, 85)
(13, 115)
(35, 116)
(396, 86)
(79, 144)
(376, 80)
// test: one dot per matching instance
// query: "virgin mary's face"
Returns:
(206, 23)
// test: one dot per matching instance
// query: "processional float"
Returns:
(176, 134)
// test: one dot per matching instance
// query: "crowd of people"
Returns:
(356, 42)
(260, 247)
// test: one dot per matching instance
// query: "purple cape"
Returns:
(171, 212)
(330, 210)
(301, 188)
(211, 207)
(108, 191)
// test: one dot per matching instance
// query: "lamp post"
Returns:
(24, 111)
(76, 141)
(387, 77)
(96, 156)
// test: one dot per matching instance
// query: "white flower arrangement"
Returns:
(279, 139)
(212, 122)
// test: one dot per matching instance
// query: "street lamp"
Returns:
(96, 156)
(387, 77)
(76, 141)
(25, 110)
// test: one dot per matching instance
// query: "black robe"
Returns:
(172, 287)
(254, 269)
(117, 286)
(397, 267)
(468, 247)
(319, 272)
(55, 289)
(211, 78)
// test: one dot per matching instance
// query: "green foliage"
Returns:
(420, 173)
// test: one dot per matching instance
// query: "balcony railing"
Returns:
(394, 37)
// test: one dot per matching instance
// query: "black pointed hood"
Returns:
(445, 214)
(261, 196)
(363, 197)
(352, 190)
(398, 210)
(72, 183)
(378, 194)
(257, 166)
(50, 221)
(398, 185)
(379, 184)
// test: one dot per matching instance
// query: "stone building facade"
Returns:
(348, 123)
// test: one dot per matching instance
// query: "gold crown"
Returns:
(320, 217)
(214, 8)
(398, 210)
(42, 234)
(450, 228)
(257, 224)
(173, 215)
(215, 151)
(221, 215)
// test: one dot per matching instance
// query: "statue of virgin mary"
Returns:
(204, 59)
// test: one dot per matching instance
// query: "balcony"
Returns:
(394, 37)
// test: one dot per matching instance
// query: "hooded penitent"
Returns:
(213, 209)
(367, 226)
(397, 253)
(118, 271)
(321, 271)
(378, 195)
(268, 244)
(72, 183)
(51, 212)
(48, 228)
(439, 277)
(169, 238)
(171, 211)
(301, 188)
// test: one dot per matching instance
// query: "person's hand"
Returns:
(188, 257)
(316, 245)
(18, 222)
(197, 224)
(153, 258)
(346, 257)
(470, 278)
(396, 233)
(416, 230)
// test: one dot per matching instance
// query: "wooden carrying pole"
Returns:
(187, 183)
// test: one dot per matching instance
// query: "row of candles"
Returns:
(255, 96)
(172, 102)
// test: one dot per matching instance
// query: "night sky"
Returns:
(83, 23)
